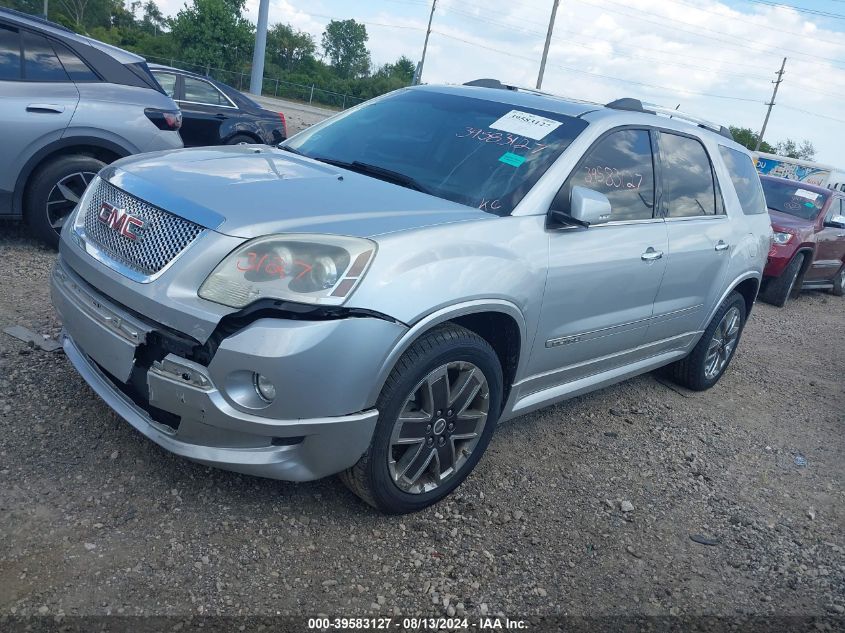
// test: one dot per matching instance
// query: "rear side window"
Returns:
(203, 92)
(745, 179)
(10, 54)
(621, 167)
(76, 69)
(40, 60)
(688, 183)
(168, 82)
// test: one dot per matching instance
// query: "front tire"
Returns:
(53, 192)
(838, 289)
(437, 413)
(778, 290)
(709, 359)
(241, 139)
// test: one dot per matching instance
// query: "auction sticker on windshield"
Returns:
(526, 124)
(809, 195)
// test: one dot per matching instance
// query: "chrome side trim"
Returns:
(708, 218)
(633, 350)
(574, 338)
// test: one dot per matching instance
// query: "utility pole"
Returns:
(418, 74)
(257, 78)
(548, 42)
(770, 104)
(45, 8)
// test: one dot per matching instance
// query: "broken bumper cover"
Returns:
(322, 446)
(100, 339)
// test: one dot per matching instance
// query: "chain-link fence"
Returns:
(271, 87)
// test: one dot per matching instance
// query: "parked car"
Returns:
(372, 297)
(216, 114)
(808, 249)
(69, 105)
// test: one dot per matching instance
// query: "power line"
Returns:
(594, 74)
(731, 42)
(822, 116)
(779, 5)
(756, 23)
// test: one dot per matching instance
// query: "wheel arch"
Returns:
(104, 150)
(748, 285)
(499, 322)
(809, 254)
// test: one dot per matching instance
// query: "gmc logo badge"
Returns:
(119, 220)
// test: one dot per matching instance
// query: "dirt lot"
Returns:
(94, 519)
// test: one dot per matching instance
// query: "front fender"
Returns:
(426, 276)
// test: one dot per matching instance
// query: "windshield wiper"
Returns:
(290, 149)
(382, 173)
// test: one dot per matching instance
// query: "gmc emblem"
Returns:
(119, 220)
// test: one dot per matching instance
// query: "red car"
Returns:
(808, 249)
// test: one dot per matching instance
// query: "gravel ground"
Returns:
(586, 508)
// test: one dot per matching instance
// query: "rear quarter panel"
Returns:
(116, 113)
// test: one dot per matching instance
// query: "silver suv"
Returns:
(374, 296)
(68, 106)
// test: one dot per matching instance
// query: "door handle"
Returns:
(721, 245)
(651, 255)
(45, 107)
(219, 116)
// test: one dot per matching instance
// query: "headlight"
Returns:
(781, 238)
(321, 269)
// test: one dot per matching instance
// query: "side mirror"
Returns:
(588, 207)
(837, 222)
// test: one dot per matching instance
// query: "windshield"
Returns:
(475, 152)
(793, 198)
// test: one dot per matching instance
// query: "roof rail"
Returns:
(490, 83)
(636, 105)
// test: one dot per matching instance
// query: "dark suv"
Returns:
(808, 247)
(216, 114)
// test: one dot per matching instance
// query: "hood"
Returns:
(249, 191)
(786, 221)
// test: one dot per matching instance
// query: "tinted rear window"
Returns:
(10, 54)
(745, 179)
(687, 177)
(480, 153)
(40, 60)
(76, 68)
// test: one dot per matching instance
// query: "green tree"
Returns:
(153, 19)
(212, 33)
(345, 44)
(402, 69)
(803, 150)
(747, 137)
(290, 49)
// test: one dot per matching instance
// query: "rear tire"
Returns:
(241, 139)
(402, 470)
(838, 289)
(778, 290)
(697, 371)
(53, 191)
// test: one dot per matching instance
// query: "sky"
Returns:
(716, 59)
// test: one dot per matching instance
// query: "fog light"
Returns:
(264, 388)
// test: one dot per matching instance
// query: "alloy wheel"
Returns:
(723, 343)
(439, 426)
(64, 196)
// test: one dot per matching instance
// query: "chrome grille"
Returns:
(162, 237)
